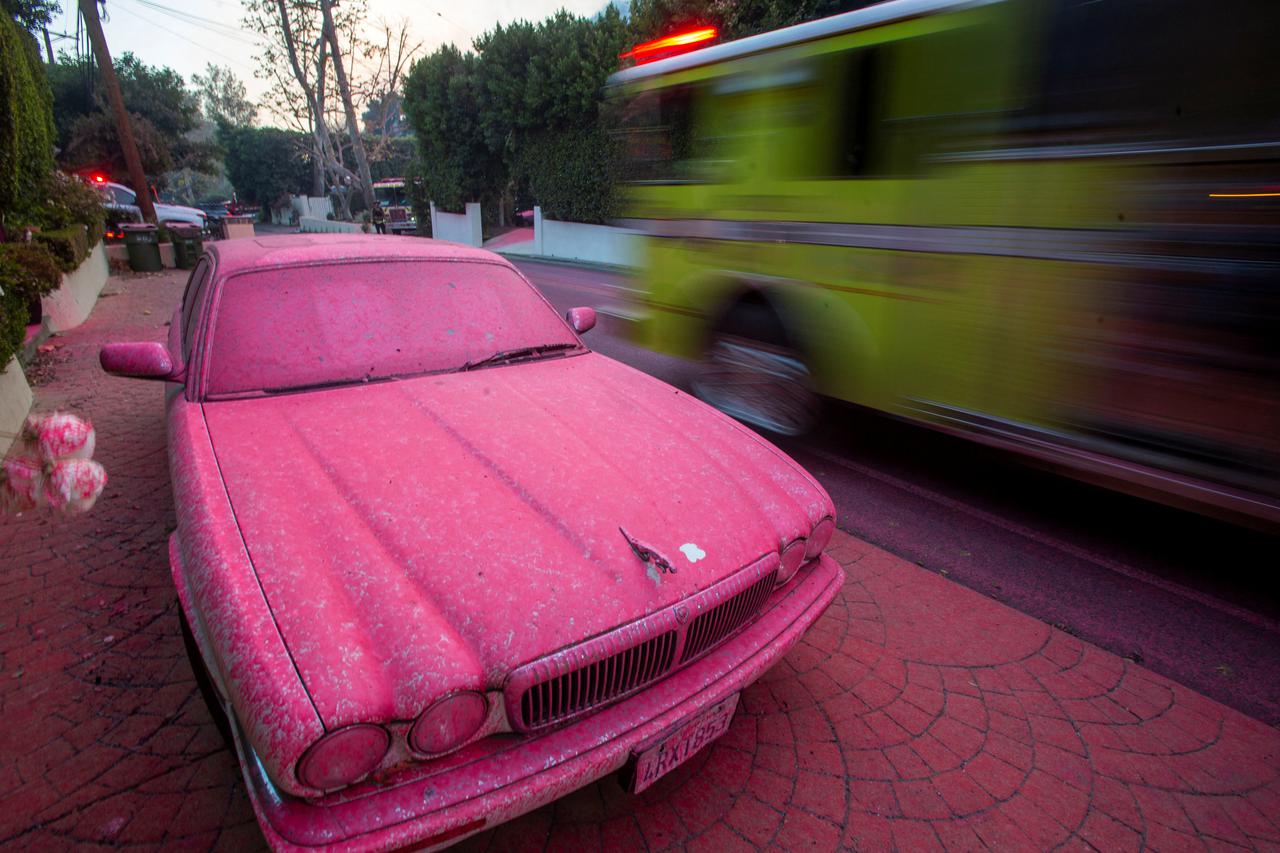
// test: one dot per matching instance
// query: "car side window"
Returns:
(123, 196)
(190, 307)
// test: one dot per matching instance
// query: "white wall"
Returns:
(573, 241)
(15, 402)
(310, 225)
(315, 207)
(462, 228)
(70, 304)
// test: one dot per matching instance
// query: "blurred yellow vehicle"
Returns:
(1050, 225)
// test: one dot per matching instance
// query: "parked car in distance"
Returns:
(118, 215)
(217, 213)
(216, 210)
(439, 562)
(118, 194)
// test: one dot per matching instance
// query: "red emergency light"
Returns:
(99, 178)
(651, 51)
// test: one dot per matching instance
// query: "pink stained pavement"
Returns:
(916, 714)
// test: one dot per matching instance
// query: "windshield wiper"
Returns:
(331, 383)
(509, 355)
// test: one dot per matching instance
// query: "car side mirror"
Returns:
(139, 360)
(582, 319)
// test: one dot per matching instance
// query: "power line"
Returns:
(218, 27)
(214, 28)
(189, 40)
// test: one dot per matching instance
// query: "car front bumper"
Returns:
(430, 806)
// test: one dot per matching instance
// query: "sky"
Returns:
(187, 35)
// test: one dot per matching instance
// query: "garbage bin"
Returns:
(142, 243)
(187, 245)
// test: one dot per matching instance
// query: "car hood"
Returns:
(409, 533)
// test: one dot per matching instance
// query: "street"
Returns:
(1190, 597)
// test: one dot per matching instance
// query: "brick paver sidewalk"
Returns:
(916, 713)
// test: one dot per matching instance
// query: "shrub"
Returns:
(571, 174)
(26, 118)
(13, 325)
(28, 268)
(67, 201)
(68, 247)
(27, 272)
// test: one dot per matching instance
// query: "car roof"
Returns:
(278, 250)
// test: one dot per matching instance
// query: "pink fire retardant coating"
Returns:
(22, 485)
(60, 436)
(73, 485)
(448, 723)
(401, 477)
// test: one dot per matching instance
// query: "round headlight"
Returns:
(448, 723)
(820, 538)
(343, 757)
(792, 559)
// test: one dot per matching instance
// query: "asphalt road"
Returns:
(1190, 597)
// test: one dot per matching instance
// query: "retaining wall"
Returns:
(15, 402)
(70, 304)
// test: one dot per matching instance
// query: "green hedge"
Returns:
(68, 246)
(64, 201)
(14, 316)
(571, 173)
(27, 272)
(26, 118)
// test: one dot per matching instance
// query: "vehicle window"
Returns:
(190, 313)
(284, 329)
(658, 134)
(122, 196)
(861, 139)
(1158, 69)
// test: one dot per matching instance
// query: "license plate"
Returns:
(658, 757)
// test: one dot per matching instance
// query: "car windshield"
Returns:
(316, 326)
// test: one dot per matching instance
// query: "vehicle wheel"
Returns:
(752, 373)
(205, 682)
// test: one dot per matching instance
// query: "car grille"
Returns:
(709, 629)
(611, 666)
(579, 689)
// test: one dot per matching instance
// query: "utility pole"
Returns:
(344, 88)
(89, 9)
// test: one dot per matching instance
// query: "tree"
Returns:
(348, 105)
(33, 15)
(157, 95)
(74, 85)
(391, 57)
(95, 144)
(26, 123)
(443, 92)
(265, 163)
(297, 64)
(521, 114)
(223, 97)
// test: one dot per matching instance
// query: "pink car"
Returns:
(440, 563)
